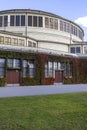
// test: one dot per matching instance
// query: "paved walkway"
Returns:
(41, 90)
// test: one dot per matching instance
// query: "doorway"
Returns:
(59, 76)
(13, 76)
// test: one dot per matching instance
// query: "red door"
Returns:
(58, 76)
(13, 76)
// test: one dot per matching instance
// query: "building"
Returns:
(38, 47)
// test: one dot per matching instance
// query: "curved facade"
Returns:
(38, 47)
(51, 31)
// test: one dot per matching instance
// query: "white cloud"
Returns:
(82, 21)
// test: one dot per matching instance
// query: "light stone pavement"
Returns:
(13, 90)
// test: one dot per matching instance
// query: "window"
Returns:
(29, 20)
(64, 26)
(72, 50)
(17, 20)
(35, 21)
(1, 39)
(5, 21)
(10, 63)
(23, 20)
(7, 40)
(46, 70)
(55, 24)
(61, 25)
(28, 68)
(51, 23)
(40, 21)
(16, 63)
(1, 21)
(34, 44)
(49, 69)
(56, 65)
(31, 68)
(14, 41)
(78, 50)
(21, 42)
(80, 34)
(25, 63)
(46, 22)
(72, 29)
(75, 50)
(68, 27)
(66, 69)
(29, 43)
(70, 69)
(12, 20)
(85, 50)
(13, 63)
(25, 68)
(2, 67)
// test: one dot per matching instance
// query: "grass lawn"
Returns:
(51, 112)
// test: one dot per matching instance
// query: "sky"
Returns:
(74, 10)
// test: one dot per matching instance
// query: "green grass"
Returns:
(51, 112)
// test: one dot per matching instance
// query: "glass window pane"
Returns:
(61, 25)
(35, 21)
(17, 63)
(46, 22)
(2, 72)
(31, 72)
(2, 67)
(14, 41)
(1, 40)
(50, 69)
(5, 20)
(85, 50)
(31, 64)
(2, 62)
(21, 42)
(24, 72)
(17, 20)
(25, 63)
(51, 72)
(50, 64)
(40, 22)
(12, 20)
(51, 23)
(23, 20)
(1, 21)
(55, 24)
(72, 49)
(77, 49)
(56, 65)
(7, 40)
(31, 68)
(59, 66)
(10, 63)
(29, 20)
(71, 70)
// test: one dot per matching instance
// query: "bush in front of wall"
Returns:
(2, 82)
(27, 81)
(48, 81)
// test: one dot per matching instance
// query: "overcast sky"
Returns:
(74, 10)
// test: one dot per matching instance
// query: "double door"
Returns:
(13, 76)
(59, 76)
